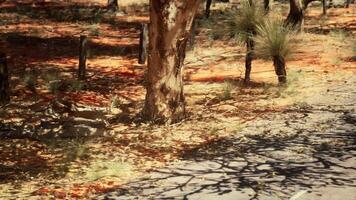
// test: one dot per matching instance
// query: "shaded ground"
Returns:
(92, 121)
(305, 152)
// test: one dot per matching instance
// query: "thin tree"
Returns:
(347, 3)
(207, 8)
(266, 5)
(113, 5)
(324, 7)
(4, 80)
(169, 30)
(244, 25)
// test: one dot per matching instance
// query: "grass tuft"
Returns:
(274, 39)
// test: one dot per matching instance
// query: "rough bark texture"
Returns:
(169, 30)
(207, 8)
(113, 5)
(280, 68)
(82, 57)
(4, 80)
(143, 44)
(248, 60)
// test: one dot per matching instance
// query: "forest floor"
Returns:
(64, 138)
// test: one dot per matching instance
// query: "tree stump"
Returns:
(143, 44)
(4, 80)
(82, 57)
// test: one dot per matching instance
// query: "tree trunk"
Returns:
(4, 81)
(248, 60)
(82, 57)
(143, 44)
(324, 7)
(207, 8)
(347, 3)
(169, 30)
(266, 5)
(280, 68)
(113, 5)
(296, 15)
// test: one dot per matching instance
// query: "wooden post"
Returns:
(4, 80)
(82, 56)
(143, 44)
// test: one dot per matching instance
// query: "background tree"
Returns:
(266, 5)
(4, 80)
(296, 13)
(207, 8)
(274, 41)
(169, 30)
(113, 5)
(244, 25)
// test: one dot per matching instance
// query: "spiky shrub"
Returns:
(244, 25)
(274, 41)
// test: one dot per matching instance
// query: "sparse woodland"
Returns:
(177, 99)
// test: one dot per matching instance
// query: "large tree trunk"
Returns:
(296, 15)
(4, 80)
(169, 30)
(280, 68)
(248, 60)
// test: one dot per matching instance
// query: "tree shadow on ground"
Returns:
(257, 166)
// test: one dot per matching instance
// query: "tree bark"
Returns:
(280, 68)
(4, 80)
(169, 30)
(143, 44)
(248, 60)
(296, 15)
(113, 5)
(82, 57)
(207, 8)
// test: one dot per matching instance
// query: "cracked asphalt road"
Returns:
(305, 152)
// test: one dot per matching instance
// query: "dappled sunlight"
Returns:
(63, 137)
